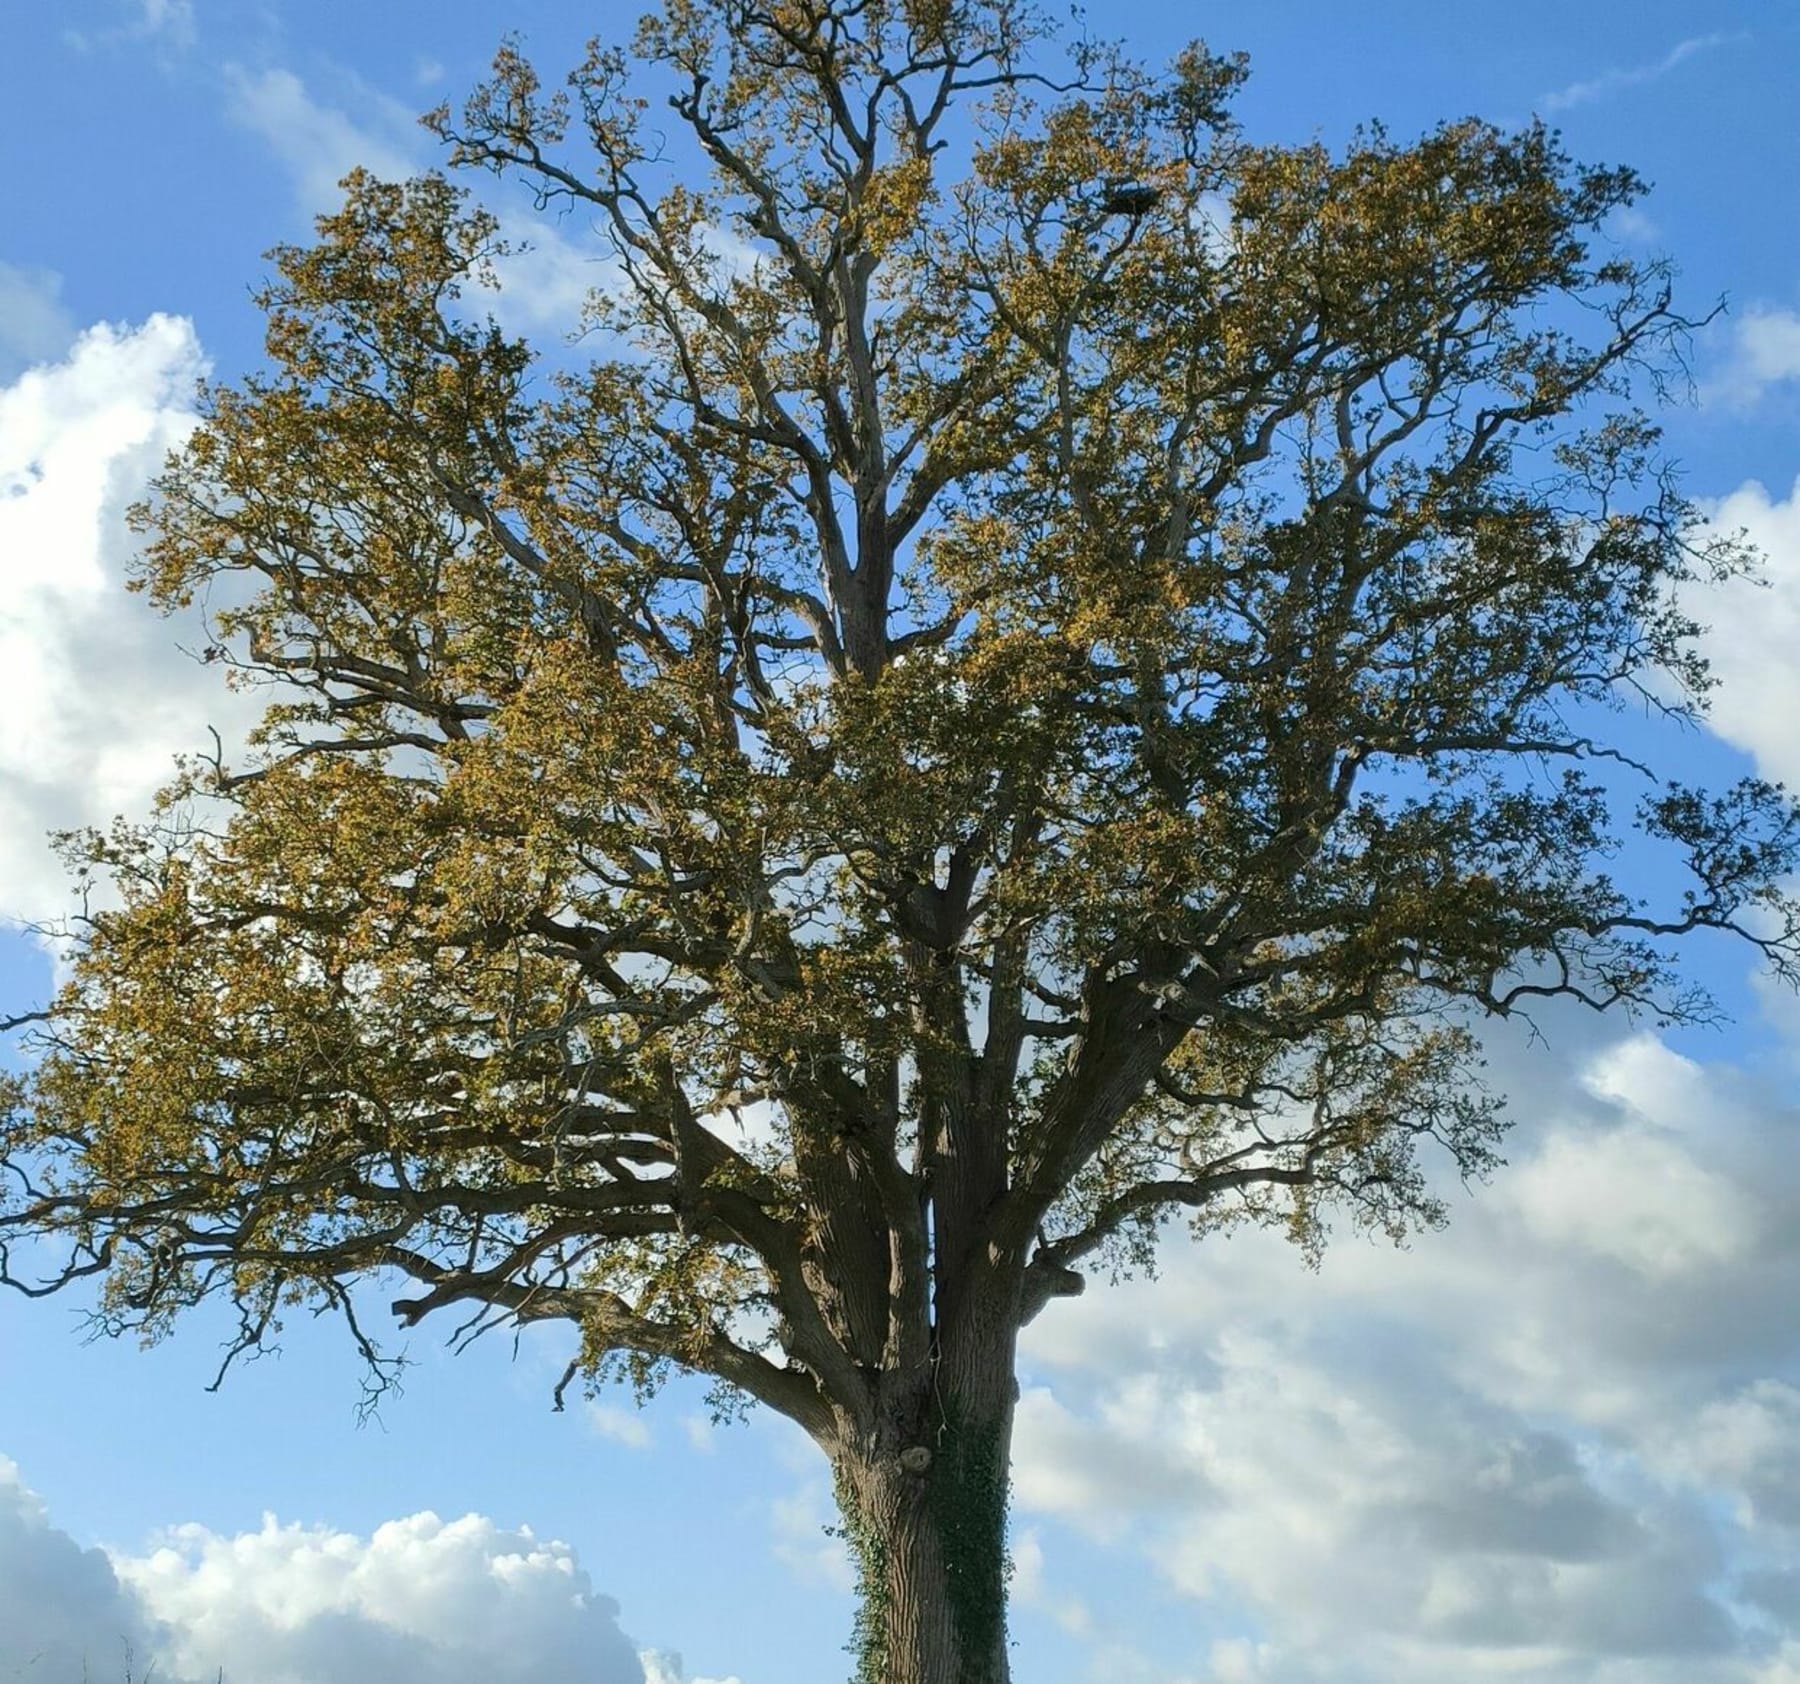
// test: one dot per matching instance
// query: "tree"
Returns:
(1036, 670)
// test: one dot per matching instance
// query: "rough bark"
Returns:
(922, 1479)
(924, 1509)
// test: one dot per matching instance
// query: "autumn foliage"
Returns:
(1033, 667)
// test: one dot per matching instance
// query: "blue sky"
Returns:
(1560, 1441)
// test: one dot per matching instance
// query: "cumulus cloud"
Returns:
(97, 694)
(63, 1612)
(420, 1601)
(1762, 351)
(1536, 1446)
(1092, 1472)
(1753, 629)
(1749, 1444)
(1629, 1193)
(660, 1667)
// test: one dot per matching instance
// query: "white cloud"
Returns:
(662, 1667)
(1633, 226)
(702, 1433)
(543, 281)
(1749, 1443)
(96, 695)
(1754, 631)
(1769, 341)
(1236, 1660)
(1536, 1447)
(1030, 1588)
(421, 1601)
(1617, 80)
(171, 19)
(165, 23)
(1218, 228)
(1094, 1473)
(804, 1524)
(1633, 1190)
(1763, 350)
(622, 1426)
(546, 279)
(34, 326)
(1629, 1195)
(63, 1612)
(319, 144)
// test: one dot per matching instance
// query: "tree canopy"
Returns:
(1032, 666)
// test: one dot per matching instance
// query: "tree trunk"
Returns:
(923, 1491)
(927, 1524)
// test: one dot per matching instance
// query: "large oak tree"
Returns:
(1035, 669)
